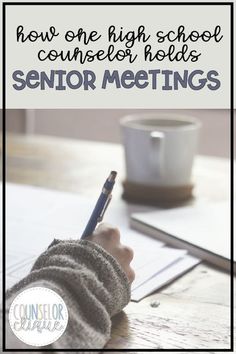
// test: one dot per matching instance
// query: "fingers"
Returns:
(125, 255)
(108, 237)
(129, 253)
(108, 231)
(130, 274)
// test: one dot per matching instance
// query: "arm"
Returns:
(93, 278)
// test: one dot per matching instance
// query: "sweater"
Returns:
(91, 283)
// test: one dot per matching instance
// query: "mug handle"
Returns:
(157, 155)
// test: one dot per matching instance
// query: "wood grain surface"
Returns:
(193, 312)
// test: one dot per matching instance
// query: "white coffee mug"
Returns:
(160, 148)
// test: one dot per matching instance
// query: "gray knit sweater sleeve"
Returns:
(92, 284)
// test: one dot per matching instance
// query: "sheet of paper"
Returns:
(148, 265)
(36, 216)
(164, 277)
(204, 224)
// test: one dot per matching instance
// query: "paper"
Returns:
(204, 224)
(153, 263)
(36, 216)
(164, 277)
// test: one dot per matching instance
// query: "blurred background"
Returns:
(103, 125)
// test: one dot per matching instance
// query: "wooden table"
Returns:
(192, 312)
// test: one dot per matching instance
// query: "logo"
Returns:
(38, 316)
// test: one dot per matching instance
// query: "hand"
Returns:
(108, 237)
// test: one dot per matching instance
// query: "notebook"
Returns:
(203, 229)
(35, 216)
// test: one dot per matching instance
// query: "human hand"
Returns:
(108, 237)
